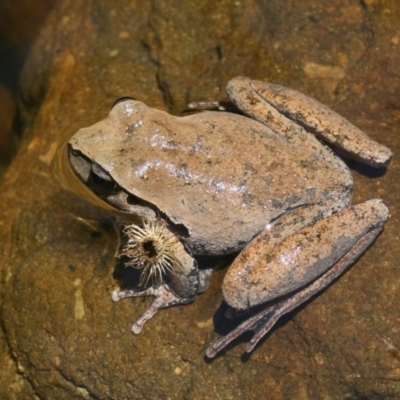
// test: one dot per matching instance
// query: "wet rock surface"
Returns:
(62, 337)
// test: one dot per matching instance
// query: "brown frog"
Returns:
(258, 184)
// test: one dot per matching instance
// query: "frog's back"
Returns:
(222, 176)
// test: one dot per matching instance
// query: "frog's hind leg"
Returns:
(294, 115)
(327, 249)
(164, 297)
(264, 321)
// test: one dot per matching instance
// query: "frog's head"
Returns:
(96, 154)
(102, 156)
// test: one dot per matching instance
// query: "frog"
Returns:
(261, 181)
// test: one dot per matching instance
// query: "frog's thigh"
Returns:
(256, 277)
(281, 108)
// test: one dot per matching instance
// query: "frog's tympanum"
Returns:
(261, 184)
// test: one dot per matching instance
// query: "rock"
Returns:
(63, 336)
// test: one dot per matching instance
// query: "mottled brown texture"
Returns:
(314, 116)
(261, 274)
(195, 171)
(62, 332)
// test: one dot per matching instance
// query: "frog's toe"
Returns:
(116, 296)
(164, 297)
(136, 328)
(260, 322)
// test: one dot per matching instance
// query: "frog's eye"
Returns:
(101, 177)
(123, 99)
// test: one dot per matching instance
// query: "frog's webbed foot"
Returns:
(301, 262)
(164, 298)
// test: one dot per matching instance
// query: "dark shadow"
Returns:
(127, 278)
(365, 170)
(359, 167)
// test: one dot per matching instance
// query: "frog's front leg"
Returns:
(298, 267)
(161, 257)
(164, 298)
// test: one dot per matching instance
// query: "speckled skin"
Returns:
(224, 181)
(280, 267)
(222, 176)
(278, 106)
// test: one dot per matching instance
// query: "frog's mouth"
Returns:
(99, 181)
